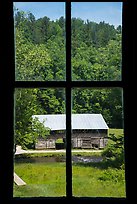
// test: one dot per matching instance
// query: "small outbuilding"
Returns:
(88, 130)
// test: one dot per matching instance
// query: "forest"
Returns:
(40, 51)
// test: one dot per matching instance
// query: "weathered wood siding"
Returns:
(89, 140)
(45, 144)
(79, 140)
(49, 142)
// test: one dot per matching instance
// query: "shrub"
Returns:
(112, 175)
(114, 151)
(59, 144)
(60, 140)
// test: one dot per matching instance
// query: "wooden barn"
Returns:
(88, 130)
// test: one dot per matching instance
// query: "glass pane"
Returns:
(39, 41)
(98, 166)
(39, 159)
(96, 29)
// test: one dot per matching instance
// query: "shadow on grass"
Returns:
(39, 158)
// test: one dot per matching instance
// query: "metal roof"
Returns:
(88, 121)
(79, 121)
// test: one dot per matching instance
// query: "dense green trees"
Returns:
(25, 107)
(98, 57)
(40, 56)
(31, 59)
(106, 101)
(30, 102)
(40, 48)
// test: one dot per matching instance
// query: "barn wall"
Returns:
(45, 144)
(79, 140)
(89, 140)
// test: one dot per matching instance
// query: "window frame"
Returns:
(7, 105)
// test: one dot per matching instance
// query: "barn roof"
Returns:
(79, 121)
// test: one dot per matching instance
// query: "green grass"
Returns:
(37, 155)
(93, 180)
(43, 179)
(89, 179)
(115, 131)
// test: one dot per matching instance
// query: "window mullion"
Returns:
(68, 144)
(68, 102)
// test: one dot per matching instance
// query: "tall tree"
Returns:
(32, 61)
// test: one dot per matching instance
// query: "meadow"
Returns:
(88, 180)
(94, 179)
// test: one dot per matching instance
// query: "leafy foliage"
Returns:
(59, 140)
(38, 129)
(40, 56)
(114, 151)
(114, 175)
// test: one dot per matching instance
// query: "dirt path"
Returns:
(19, 150)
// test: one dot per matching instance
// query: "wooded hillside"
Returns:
(40, 55)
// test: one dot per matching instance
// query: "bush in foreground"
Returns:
(114, 151)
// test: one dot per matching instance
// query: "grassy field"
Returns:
(89, 179)
(43, 179)
(116, 131)
(96, 182)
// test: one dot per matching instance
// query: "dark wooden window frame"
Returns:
(8, 85)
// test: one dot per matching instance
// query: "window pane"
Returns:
(96, 41)
(40, 127)
(98, 143)
(39, 41)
